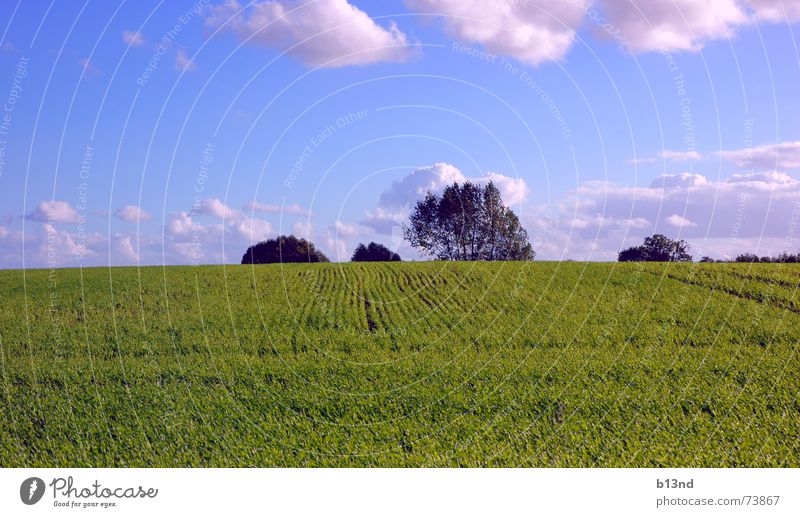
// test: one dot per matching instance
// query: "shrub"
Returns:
(286, 248)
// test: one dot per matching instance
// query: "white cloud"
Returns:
(133, 38)
(674, 25)
(782, 156)
(683, 179)
(132, 214)
(775, 10)
(435, 177)
(330, 33)
(599, 218)
(253, 230)
(385, 221)
(303, 229)
(680, 156)
(345, 230)
(394, 204)
(672, 156)
(414, 185)
(183, 62)
(513, 190)
(764, 180)
(214, 207)
(531, 31)
(123, 249)
(179, 224)
(678, 221)
(293, 209)
(88, 68)
(62, 248)
(337, 247)
(640, 161)
(54, 212)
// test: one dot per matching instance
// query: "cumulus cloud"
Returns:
(667, 155)
(514, 190)
(394, 204)
(385, 221)
(776, 10)
(414, 185)
(680, 180)
(183, 63)
(680, 156)
(293, 209)
(179, 224)
(330, 33)
(781, 156)
(184, 240)
(303, 229)
(54, 212)
(124, 249)
(337, 247)
(532, 31)
(133, 38)
(235, 226)
(336, 239)
(252, 230)
(435, 177)
(600, 218)
(60, 247)
(678, 221)
(344, 230)
(132, 214)
(214, 207)
(676, 25)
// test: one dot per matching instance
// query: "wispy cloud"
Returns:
(132, 214)
(133, 38)
(780, 156)
(183, 62)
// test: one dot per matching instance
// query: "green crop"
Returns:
(402, 364)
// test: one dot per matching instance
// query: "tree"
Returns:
(785, 257)
(467, 222)
(286, 248)
(747, 257)
(657, 248)
(633, 254)
(707, 259)
(374, 252)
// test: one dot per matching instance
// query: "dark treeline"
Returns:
(783, 258)
(659, 248)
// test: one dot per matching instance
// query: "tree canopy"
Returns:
(657, 248)
(467, 222)
(374, 252)
(784, 257)
(286, 248)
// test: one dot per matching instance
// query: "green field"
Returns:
(406, 364)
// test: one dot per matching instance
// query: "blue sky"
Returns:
(179, 132)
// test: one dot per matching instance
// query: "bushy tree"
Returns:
(657, 248)
(467, 222)
(747, 257)
(783, 257)
(374, 252)
(788, 257)
(286, 248)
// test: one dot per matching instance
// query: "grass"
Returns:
(403, 364)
